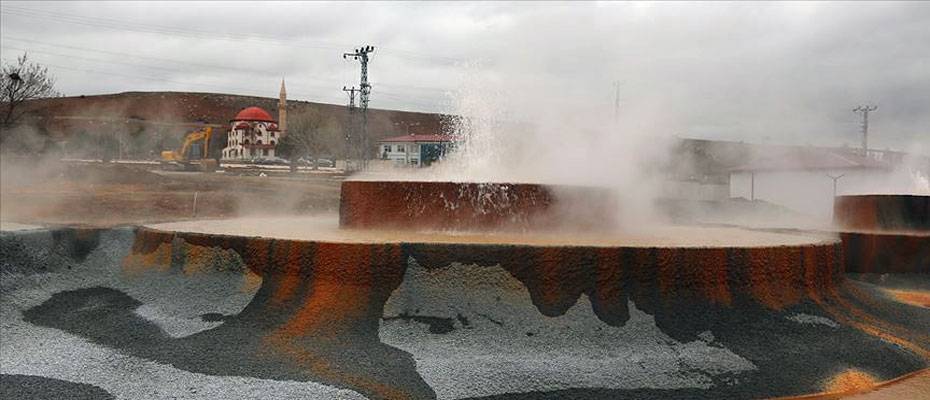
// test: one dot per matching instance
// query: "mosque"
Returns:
(253, 133)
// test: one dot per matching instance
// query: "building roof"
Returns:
(253, 114)
(417, 138)
(799, 158)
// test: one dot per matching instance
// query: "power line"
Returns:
(364, 90)
(330, 98)
(351, 96)
(361, 54)
(121, 54)
(158, 79)
(213, 66)
(114, 24)
(865, 110)
(141, 27)
(90, 59)
(97, 60)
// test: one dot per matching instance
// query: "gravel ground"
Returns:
(171, 300)
(79, 317)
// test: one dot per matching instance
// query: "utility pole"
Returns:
(865, 110)
(835, 178)
(350, 123)
(351, 91)
(361, 54)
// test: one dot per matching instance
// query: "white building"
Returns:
(413, 150)
(252, 134)
(802, 179)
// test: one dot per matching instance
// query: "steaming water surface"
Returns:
(13, 226)
(326, 228)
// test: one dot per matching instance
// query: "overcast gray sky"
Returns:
(760, 72)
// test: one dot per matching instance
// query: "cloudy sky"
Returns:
(759, 72)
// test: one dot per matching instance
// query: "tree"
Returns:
(23, 81)
(309, 134)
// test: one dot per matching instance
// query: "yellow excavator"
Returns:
(194, 153)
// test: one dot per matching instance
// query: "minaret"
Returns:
(282, 109)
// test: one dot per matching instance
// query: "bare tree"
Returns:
(309, 134)
(23, 81)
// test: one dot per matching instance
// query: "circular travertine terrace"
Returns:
(477, 305)
(473, 206)
(882, 212)
(325, 228)
(884, 233)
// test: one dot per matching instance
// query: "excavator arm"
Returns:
(182, 154)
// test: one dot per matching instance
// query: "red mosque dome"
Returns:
(253, 114)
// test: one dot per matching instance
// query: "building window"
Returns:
(400, 148)
(271, 133)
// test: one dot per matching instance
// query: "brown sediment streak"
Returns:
(609, 297)
(711, 268)
(644, 283)
(290, 277)
(348, 289)
(150, 250)
(301, 356)
(912, 297)
(157, 259)
(812, 275)
(345, 295)
(857, 294)
(835, 395)
(774, 276)
(844, 312)
(851, 381)
(667, 264)
(562, 277)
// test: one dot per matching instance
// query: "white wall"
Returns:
(807, 192)
(258, 132)
(408, 155)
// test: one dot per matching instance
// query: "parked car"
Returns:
(304, 161)
(325, 163)
(271, 161)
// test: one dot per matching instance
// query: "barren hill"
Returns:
(146, 118)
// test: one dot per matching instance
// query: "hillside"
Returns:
(143, 119)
